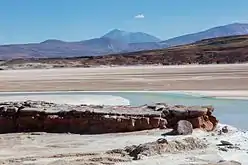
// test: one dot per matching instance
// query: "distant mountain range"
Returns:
(220, 31)
(115, 41)
(130, 37)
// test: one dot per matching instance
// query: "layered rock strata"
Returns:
(39, 116)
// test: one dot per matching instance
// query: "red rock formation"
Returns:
(99, 119)
(200, 117)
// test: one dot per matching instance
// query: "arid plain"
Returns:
(160, 78)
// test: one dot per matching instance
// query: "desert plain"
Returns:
(137, 78)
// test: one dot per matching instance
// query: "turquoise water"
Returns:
(232, 112)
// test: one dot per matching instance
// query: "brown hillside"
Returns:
(232, 49)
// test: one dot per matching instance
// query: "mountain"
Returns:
(53, 41)
(114, 42)
(57, 48)
(104, 45)
(232, 49)
(220, 31)
(144, 46)
(130, 37)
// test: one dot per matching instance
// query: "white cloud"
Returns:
(139, 16)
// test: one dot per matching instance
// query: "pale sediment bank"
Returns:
(113, 67)
(212, 154)
(68, 99)
(32, 148)
(63, 97)
(224, 94)
(152, 78)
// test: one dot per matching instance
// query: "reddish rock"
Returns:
(213, 120)
(188, 112)
(29, 124)
(78, 125)
(204, 123)
(196, 111)
(142, 124)
(56, 124)
(178, 112)
(100, 119)
(158, 122)
(122, 123)
(7, 125)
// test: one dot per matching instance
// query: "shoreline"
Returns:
(84, 144)
(135, 66)
(221, 94)
(67, 99)
(218, 94)
(135, 78)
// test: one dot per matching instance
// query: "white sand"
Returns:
(184, 77)
(40, 147)
(210, 155)
(146, 66)
(94, 99)
(225, 94)
(71, 99)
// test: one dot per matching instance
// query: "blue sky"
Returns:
(25, 21)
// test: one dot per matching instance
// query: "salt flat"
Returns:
(189, 77)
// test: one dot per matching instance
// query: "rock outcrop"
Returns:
(161, 146)
(199, 116)
(39, 116)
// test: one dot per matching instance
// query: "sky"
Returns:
(27, 21)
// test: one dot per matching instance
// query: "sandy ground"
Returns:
(43, 148)
(225, 94)
(108, 99)
(68, 99)
(192, 77)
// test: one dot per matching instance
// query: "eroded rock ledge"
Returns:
(39, 116)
